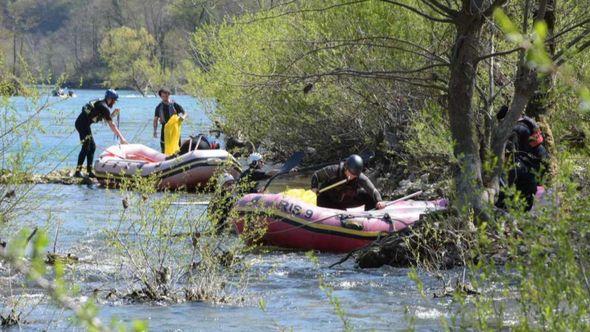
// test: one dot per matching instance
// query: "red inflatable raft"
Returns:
(289, 223)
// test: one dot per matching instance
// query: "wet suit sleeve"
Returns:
(323, 175)
(104, 112)
(369, 187)
(178, 108)
(258, 175)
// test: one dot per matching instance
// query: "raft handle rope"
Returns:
(341, 216)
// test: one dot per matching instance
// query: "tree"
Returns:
(129, 57)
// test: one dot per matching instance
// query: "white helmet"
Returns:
(225, 178)
(254, 158)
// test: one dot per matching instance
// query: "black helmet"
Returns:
(111, 93)
(354, 164)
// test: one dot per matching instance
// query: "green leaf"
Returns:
(139, 325)
(507, 26)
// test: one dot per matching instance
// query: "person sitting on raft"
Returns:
(93, 112)
(356, 191)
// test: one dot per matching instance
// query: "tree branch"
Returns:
(440, 8)
(312, 10)
(419, 12)
(558, 56)
(568, 29)
(497, 54)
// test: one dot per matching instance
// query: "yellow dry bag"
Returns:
(303, 195)
(172, 135)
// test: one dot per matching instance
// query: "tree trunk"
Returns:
(542, 104)
(462, 117)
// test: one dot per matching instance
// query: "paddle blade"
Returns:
(293, 161)
(303, 195)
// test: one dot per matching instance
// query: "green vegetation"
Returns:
(417, 81)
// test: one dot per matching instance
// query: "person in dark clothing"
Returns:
(248, 181)
(529, 159)
(164, 112)
(94, 112)
(356, 191)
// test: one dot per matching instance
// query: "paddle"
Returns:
(291, 163)
(401, 199)
(366, 155)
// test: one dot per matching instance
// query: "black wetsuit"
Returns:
(529, 163)
(247, 183)
(357, 192)
(92, 112)
(164, 112)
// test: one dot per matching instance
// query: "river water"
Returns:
(373, 299)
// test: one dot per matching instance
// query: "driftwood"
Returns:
(436, 241)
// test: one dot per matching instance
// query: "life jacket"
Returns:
(536, 137)
(89, 106)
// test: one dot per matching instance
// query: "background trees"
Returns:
(56, 37)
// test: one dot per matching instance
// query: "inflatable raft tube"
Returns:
(289, 223)
(187, 171)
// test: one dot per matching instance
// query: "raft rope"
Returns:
(342, 218)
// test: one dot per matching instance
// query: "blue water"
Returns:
(288, 282)
(61, 140)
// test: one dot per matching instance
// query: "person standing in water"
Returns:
(164, 112)
(93, 112)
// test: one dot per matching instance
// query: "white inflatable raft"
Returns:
(188, 171)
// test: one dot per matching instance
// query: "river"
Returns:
(373, 299)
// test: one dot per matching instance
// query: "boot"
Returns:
(90, 173)
(78, 174)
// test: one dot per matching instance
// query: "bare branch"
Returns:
(498, 54)
(419, 12)
(440, 8)
(388, 75)
(559, 55)
(312, 10)
(568, 29)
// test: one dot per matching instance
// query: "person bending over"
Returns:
(93, 112)
(356, 191)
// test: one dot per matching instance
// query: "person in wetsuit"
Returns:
(357, 191)
(248, 181)
(94, 112)
(164, 111)
(529, 160)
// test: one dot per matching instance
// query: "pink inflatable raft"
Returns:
(187, 171)
(291, 223)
